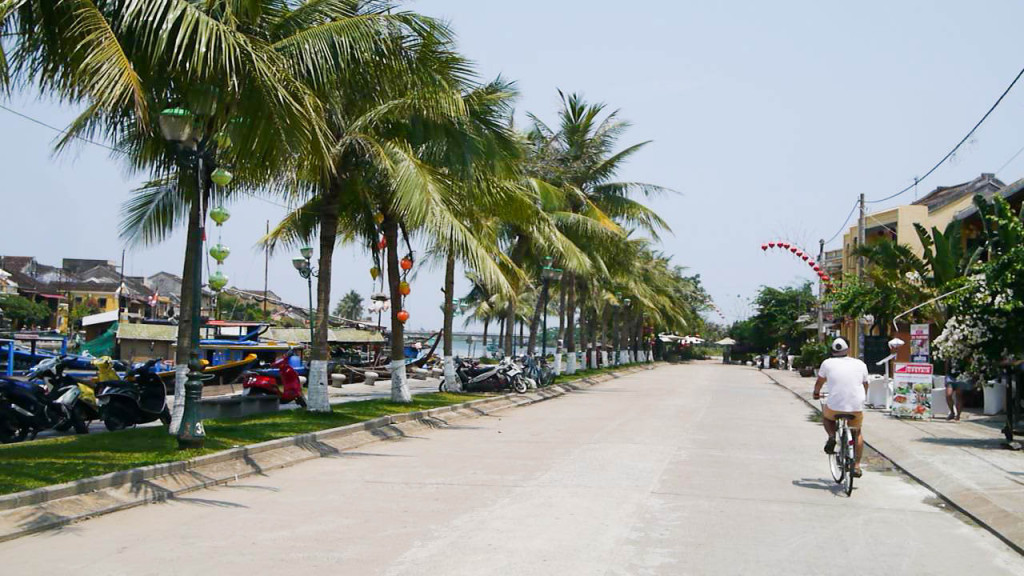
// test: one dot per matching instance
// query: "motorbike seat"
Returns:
(473, 372)
(152, 398)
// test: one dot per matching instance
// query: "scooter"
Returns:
(138, 399)
(487, 378)
(28, 408)
(279, 380)
(84, 408)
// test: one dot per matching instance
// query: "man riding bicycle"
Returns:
(847, 380)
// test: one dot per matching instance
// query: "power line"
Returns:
(1008, 162)
(958, 145)
(55, 129)
(843, 227)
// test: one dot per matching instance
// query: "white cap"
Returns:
(839, 345)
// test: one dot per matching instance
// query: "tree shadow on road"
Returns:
(827, 485)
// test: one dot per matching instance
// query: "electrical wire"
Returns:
(55, 129)
(958, 145)
(845, 222)
(1008, 162)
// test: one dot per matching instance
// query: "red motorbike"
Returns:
(279, 380)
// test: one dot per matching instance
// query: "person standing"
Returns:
(847, 380)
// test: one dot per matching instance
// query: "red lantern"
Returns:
(771, 244)
(406, 263)
(383, 243)
(403, 316)
(811, 263)
(806, 257)
(764, 247)
(799, 253)
(826, 278)
(817, 268)
(794, 249)
(784, 245)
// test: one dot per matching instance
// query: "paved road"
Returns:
(699, 469)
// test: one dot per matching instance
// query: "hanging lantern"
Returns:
(811, 263)
(799, 253)
(221, 177)
(220, 252)
(817, 268)
(826, 278)
(378, 218)
(220, 215)
(403, 316)
(374, 272)
(223, 140)
(764, 247)
(771, 244)
(404, 289)
(218, 281)
(383, 243)
(784, 245)
(806, 257)
(406, 263)
(794, 249)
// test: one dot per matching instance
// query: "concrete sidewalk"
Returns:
(963, 462)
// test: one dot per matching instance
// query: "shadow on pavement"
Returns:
(986, 443)
(827, 485)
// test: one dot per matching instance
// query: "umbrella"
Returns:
(726, 342)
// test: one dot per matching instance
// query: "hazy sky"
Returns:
(769, 118)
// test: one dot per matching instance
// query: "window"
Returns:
(103, 303)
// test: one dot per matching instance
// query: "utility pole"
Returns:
(860, 273)
(821, 293)
(266, 270)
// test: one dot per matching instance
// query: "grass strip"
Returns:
(57, 460)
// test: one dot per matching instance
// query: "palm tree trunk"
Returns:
(561, 313)
(510, 325)
(584, 343)
(487, 323)
(451, 380)
(318, 400)
(193, 253)
(399, 386)
(570, 330)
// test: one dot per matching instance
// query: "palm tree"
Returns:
(350, 306)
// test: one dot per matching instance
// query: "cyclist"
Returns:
(847, 380)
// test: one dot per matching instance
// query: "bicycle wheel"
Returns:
(836, 461)
(849, 458)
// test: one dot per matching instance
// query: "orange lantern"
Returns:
(403, 316)
(383, 243)
(406, 263)
(403, 289)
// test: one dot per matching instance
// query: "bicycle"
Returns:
(843, 458)
(537, 369)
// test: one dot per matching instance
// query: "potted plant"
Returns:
(812, 354)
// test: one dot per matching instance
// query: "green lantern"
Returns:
(218, 281)
(223, 140)
(220, 215)
(221, 177)
(220, 252)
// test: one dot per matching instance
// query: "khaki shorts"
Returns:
(856, 422)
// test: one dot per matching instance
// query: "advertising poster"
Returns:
(912, 390)
(920, 334)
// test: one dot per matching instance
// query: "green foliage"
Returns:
(813, 353)
(231, 307)
(81, 310)
(24, 311)
(350, 306)
(776, 319)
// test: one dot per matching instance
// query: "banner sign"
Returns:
(920, 335)
(912, 390)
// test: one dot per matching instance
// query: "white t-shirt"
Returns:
(845, 378)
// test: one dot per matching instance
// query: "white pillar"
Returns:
(451, 379)
(650, 355)
(558, 363)
(316, 395)
(604, 358)
(399, 387)
(178, 409)
(570, 367)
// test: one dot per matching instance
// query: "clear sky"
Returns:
(769, 118)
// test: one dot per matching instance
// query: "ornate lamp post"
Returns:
(304, 265)
(547, 274)
(626, 352)
(616, 327)
(195, 152)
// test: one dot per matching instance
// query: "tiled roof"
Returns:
(944, 195)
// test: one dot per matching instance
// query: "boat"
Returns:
(223, 374)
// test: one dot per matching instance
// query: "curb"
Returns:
(41, 509)
(974, 518)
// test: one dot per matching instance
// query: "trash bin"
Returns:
(879, 392)
(995, 397)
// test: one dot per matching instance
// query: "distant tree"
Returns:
(776, 319)
(23, 311)
(81, 310)
(231, 307)
(350, 306)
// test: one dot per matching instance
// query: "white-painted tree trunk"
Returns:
(451, 379)
(570, 367)
(650, 356)
(317, 399)
(604, 357)
(178, 407)
(399, 386)
(593, 359)
(558, 363)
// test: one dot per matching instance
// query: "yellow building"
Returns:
(936, 209)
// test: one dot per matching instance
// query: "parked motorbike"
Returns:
(85, 408)
(42, 403)
(138, 399)
(279, 380)
(492, 378)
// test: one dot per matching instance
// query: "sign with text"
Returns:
(920, 336)
(912, 390)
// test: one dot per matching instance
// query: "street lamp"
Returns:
(305, 267)
(177, 126)
(616, 327)
(547, 274)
